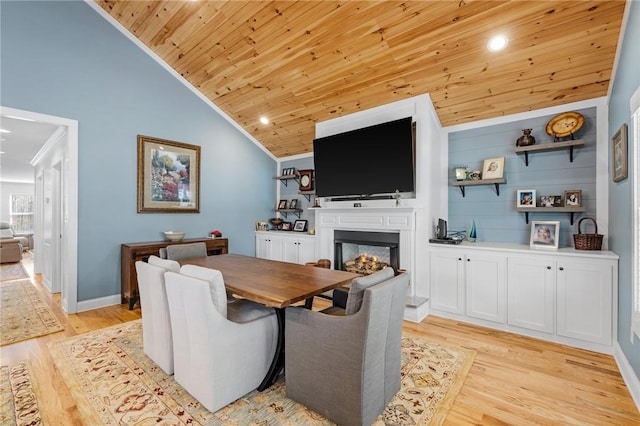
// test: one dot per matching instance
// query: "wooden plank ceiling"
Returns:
(301, 62)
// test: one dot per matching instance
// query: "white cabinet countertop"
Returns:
(525, 249)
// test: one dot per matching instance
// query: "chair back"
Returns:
(157, 337)
(185, 251)
(217, 360)
(347, 368)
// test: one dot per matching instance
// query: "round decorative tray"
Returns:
(565, 124)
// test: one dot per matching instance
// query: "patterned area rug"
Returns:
(12, 271)
(113, 382)
(18, 401)
(23, 313)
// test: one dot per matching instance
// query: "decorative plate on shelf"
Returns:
(565, 124)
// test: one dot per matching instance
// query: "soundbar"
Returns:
(444, 241)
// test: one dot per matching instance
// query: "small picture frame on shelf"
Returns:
(573, 198)
(557, 201)
(547, 200)
(493, 168)
(526, 198)
(286, 226)
(460, 172)
(300, 225)
(544, 234)
(282, 204)
(289, 171)
(261, 226)
(293, 204)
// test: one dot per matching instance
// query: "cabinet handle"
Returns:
(459, 258)
(561, 268)
(548, 267)
(468, 260)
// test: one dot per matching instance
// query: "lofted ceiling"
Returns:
(301, 62)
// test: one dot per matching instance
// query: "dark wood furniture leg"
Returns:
(278, 359)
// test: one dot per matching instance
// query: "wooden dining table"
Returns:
(275, 284)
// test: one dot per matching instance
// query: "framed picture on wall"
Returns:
(282, 204)
(293, 204)
(168, 176)
(526, 198)
(544, 234)
(619, 154)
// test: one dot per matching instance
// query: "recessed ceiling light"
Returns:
(5, 131)
(497, 43)
(264, 120)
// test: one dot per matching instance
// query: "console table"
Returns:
(130, 253)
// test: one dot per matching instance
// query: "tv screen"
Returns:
(364, 162)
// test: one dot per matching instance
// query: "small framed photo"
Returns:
(573, 198)
(557, 201)
(261, 226)
(288, 171)
(544, 234)
(619, 154)
(286, 226)
(547, 200)
(282, 204)
(526, 198)
(293, 204)
(306, 180)
(493, 168)
(300, 225)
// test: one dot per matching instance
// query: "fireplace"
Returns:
(366, 252)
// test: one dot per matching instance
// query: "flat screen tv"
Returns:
(366, 162)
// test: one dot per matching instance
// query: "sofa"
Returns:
(10, 250)
(6, 232)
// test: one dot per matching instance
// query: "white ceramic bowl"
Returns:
(173, 235)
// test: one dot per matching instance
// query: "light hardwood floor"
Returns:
(514, 380)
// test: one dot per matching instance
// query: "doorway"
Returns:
(58, 158)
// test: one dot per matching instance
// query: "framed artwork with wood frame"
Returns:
(306, 180)
(619, 169)
(573, 198)
(168, 176)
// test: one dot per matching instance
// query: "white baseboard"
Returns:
(101, 302)
(628, 375)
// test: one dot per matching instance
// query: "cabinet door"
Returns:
(530, 292)
(306, 250)
(262, 246)
(269, 247)
(485, 286)
(290, 249)
(447, 281)
(585, 300)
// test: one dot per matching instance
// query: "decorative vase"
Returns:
(472, 233)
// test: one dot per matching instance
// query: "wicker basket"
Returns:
(587, 241)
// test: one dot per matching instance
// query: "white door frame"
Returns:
(68, 203)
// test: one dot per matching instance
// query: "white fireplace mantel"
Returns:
(389, 219)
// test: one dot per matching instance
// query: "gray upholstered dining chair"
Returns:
(185, 251)
(157, 338)
(347, 368)
(222, 350)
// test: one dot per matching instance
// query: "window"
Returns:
(22, 213)
(635, 140)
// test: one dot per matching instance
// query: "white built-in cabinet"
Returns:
(285, 246)
(566, 296)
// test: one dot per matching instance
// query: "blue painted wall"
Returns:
(549, 173)
(63, 59)
(627, 80)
